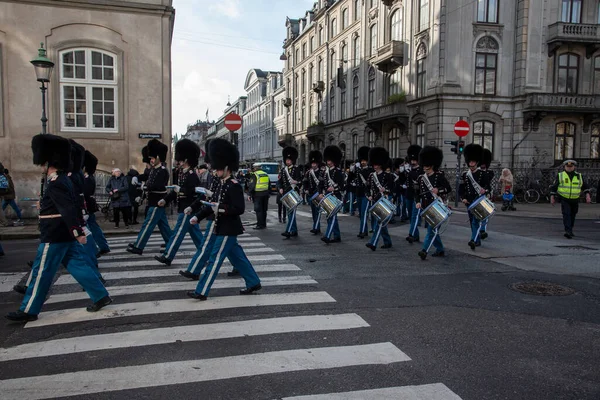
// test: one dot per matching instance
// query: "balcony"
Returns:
(315, 132)
(561, 33)
(390, 56)
(395, 114)
(539, 105)
(285, 140)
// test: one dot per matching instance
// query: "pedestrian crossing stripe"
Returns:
(434, 391)
(190, 333)
(69, 316)
(150, 262)
(156, 235)
(160, 241)
(190, 371)
(185, 246)
(150, 256)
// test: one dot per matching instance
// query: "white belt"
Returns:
(50, 216)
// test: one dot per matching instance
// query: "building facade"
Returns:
(111, 80)
(523, 73)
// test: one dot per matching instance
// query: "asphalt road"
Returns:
(330, 319)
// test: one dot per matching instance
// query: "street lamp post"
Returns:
(43, 70)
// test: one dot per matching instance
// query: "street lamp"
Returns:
(43, 70)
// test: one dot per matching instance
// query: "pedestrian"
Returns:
(90, 164)
(568, 186)
(258, 192)
(290, 180)
(118, 189)
(229, 206)
(380, 185)
(9, 195)
(333, 184)
(312, 185)
(412, 176)
(205, 176)
(474, 185)
(134, 192)
(61, 234)
(506, 182)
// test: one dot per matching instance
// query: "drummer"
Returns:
(432, 184)
(474, 185)
(312, 184)
(290, 180)
(333, 183)
(380, 186)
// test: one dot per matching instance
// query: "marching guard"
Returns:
(485, 168)
(229, 205)
(61, 234)
(156, 186)
(90, 164)
(290, 180)
(412, 187)
(359, 179)
(333, 184)
(184, 192)
(474, 185)
(313, 183)
(380, 185)
(432, 184)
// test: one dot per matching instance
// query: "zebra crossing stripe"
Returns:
(155, 236)
(73, 315)
(187, 285)
(150, 256)
(434, 391)
(184, 372)
(150, 262)
(120, 252)
(156, 247)
(158, 273)
(191, 333)
(9, 279)
(158, 242)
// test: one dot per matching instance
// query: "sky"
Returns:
(216, 43)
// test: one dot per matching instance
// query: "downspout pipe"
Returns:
(513, 91)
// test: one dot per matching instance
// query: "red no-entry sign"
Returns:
(233, 122)
(462, 128)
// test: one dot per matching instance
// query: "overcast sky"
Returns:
(215, 44)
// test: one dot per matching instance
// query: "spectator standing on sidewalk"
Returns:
(134, 192)
(118, 188)
(9, 197)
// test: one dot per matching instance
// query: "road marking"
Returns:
(9, 279)
(155, 236)
(156, 273)
(187, 285)
(73, 315)
(147, 250)
(434, 391)
(155, 244)
(150, 257)
(191, 333)
(185, 372)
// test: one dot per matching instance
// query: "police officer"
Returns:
(380, 184)
(313, 184)
(474, 184)
(258, 192)
(90, 164)
(61, 233)
(568, 186)
(412, 188)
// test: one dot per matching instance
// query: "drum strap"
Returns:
(476, 185)
(314, 176)
(289, 177)
(364, 181)
(429, 186)
(377, 183)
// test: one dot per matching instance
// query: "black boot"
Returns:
(20, 316)
(135, 250)
(21, 289)
(162, 259)
(97, 306)
(196, 296)
(251, 289)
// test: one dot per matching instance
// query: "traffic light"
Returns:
(454, 145)
(458, 146)
(461, 146)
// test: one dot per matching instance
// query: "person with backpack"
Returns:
(9, 198)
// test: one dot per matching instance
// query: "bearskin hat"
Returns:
(315, 156)
(186, 150)
(398, 162)
(379, 156)
(431, 156)
(77, 156)
(413, 152)
(156, 149)
(223, 154)
(206, 156)
(363, 153)
(145, 156)
(487, 158)
(473, 152)
(51, 149)
(333, 153)
(291, 153)
(90, 163)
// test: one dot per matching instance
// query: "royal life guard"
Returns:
(156, 188)
(359, 177)
(412, 187)
(313, 184)
(484, 166)
(290, 180)
(184, 192)
(333, 184)
(61, 233)
(380, 185)
(90, 163)
(474, 185)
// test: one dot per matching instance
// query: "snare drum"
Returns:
(436, 214)
(291, 200)
(482, 208)
(330, 205)
(383, 211)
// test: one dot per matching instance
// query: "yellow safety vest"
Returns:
(567, 188)
(262, 181)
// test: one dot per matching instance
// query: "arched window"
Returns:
(333, 32)
(486, 63)
(296, 117)
(595, 141)
(394, 142)
(487, 11)
(421, 70)
(483, 134)
(373, 40)
(343, 99)
(420, 134)
(568, 73)
(320, 69)
(355, 94)
(303, 83)
(320, 35)
(332, 103)
(356, 10)
(332, 66)
(303, 117)
(356, 51)
(371, 88)
(345, 56)
(354, 144)
(310, 110)
(396, 25)
(344, 18)
(310, 76)
(564, 140)
(372, 139)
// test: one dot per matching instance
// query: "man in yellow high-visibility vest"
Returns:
(568, 187)
(258, 191)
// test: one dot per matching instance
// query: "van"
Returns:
(272, 169)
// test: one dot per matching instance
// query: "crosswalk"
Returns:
(134, 344)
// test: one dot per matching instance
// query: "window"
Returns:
(372, 139)
(571, 11)
(296, 92)
(343, 100)
(355, 143)
(396, 25)
(355, 95)
(312, 44)
(371, 83)
(303, 83)
(420, 130)
(421, 72)
(320, 69)
(568, 71)
(297, 57)
(373, 40)
(88, 87)
(564, 141)
(345, 57)
(303, 51)
(310, 110)
(595, 141)
(332, 103)
(296, 116)
(394, 143)
(332, 66)
(356, 51)
(371, 3)
(310, 76)
(395, 82)
(333, 32)
(487, 11)
(303, 117)
(485, 73)
(356, 10)
(344, 18)
(423, 14)
(483, 134)
(597, 74)
(320, 35)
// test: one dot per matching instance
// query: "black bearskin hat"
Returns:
(315, 156)
(379, 156)
(186, 150)
(291, 153)
(363, 153)
(398, 162)
(145, 156)
(487, 158)
(332, 153)
(157, 149)
(413, 152)
(90, 163)
(77, 156)
(473, 152)
(223, 154)
(206, 156)
(431, 156)
(51, 149)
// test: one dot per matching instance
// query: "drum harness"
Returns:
(436, 197)
(314, 176)
(478, 188)
(289, 177)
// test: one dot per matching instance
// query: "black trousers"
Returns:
(126, 215)
(261, 206)
(569, 210)
(136, 210)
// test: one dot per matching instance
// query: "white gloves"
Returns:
(161, 203)
(209, 193)
(86, 217)
(176, 188)
(138, 200)
(194, 220)
(187, 211)
(134, 180)
(200, 189)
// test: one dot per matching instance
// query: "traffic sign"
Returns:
(462, 128)
(233, 122)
